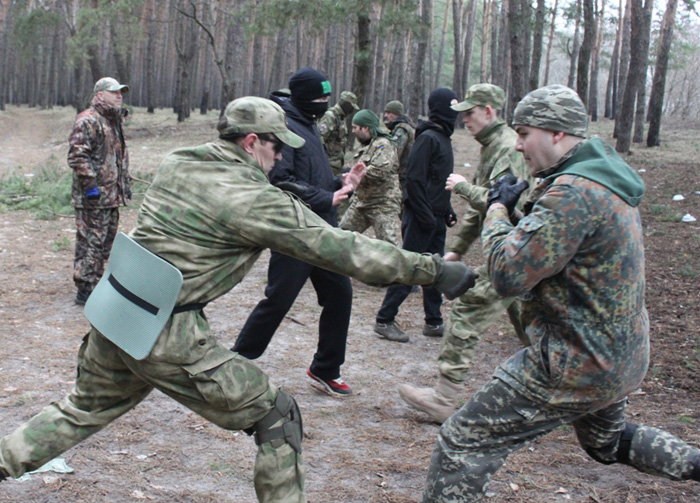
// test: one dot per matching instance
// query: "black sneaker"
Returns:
(333, 387)
(82, 297)
(390, 331)
(434, 330)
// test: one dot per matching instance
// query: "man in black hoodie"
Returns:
(307, 173)
(426, 211)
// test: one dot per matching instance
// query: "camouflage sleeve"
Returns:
(400, 139)
(382, 163)
(540, 245)
(473, 194)
(79, 158)
(467, 233)
(325, 126)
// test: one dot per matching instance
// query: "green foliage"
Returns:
(30, 27)
(62, 244)
(688, 272)
(45, 193)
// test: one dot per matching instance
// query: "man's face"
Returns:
(267, 149)
(111, 98)
(361, 133)
(390, 117)
(475, 120)
(537, 147)
(322, 99)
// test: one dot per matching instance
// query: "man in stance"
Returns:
(475, 311)
(377, 200)
(402, 132)
(209, 213)
(100, 163)
(577, 260)
(426, 213)
(334, 132)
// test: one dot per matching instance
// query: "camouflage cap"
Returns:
(252, 114)
(109, 84)
(395, 107)
(350, 98)
(481, 95)
(555, 108)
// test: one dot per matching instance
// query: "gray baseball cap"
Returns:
(252, 114)
(109, 84)
(555, 108)
(350, 98)
(481, 95)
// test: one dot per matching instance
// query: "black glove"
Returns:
(507, 191)
(450, 219)
(453, 279)
(297, 189)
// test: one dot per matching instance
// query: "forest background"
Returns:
(631, 60)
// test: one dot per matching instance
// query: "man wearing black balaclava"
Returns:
(307, 173)
(427, 211)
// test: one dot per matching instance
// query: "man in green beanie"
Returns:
(403, 134)
(377, 199)
(334, 132)
(576, 258)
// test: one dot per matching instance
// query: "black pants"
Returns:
(418, 239)
(285, 278)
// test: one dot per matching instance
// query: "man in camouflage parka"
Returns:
(576, 259)
(334, 132)
(100, 163)
(377, 199)
(403, 134)
(475, 311)
(210, 212)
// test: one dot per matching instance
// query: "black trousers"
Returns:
(285, 279)
(418, 239)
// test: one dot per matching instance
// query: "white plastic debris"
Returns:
(57, 465)
(688, 218)
(642, 170)
(678, 197)
(467, 165)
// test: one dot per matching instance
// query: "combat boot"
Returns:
(439, 402)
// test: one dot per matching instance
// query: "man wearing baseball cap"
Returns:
(334, 132)
(474, 312)
(204, 221)
(576, 258)
(101, 182)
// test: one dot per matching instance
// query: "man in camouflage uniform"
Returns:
(100, 163)
(577, 260)
(403, 134)
(481, 306)
(210, 212)
(377, 200)
(334, 132)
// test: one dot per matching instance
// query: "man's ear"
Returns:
(557, 136)
(248, 141)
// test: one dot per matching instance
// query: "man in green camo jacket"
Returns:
(377, 200)
(403, 134)
(334, 132)
(576, 259)
(210, 212)
(474, 312)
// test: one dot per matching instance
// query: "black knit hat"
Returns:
(308, 84)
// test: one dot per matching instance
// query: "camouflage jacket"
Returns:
(380, 185)
(211, 210)
(403, 134)
(99, 158)
(334, 134)
(498, 158)
(576, 259)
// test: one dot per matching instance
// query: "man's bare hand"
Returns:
(452, 257)
(354, 177)
(453, 180)
(341, 194)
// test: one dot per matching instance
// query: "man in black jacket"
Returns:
(307, 173)
(426, 211)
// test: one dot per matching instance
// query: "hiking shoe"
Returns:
(390, 331)
(333, 387)
(434, 330)
(82, 297)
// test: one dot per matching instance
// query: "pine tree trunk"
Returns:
(624, 63)
(584, 54)
(537, 46)
(548, 59)
(575, 48)
(457, 34)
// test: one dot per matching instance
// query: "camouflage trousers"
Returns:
(383, 219)
(474, 443)
(95, 233)
(219, 385)
(471, 315)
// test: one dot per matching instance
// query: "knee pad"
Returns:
(617, 451)
(291, 431)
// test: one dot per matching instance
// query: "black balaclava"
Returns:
(439, 110)
(305, 86)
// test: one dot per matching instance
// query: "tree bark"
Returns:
(575, 48)
(457, 33)
(548, 59)
(537, 46)
(584, 53)
(624, 63)
(417, 90)
(468, 47)
(611, 88)
(361, 73)
(516, 22)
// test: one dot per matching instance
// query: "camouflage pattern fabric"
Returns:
(478, 309)
(403, 134)
(95, 233)
(377, 200)
(334, 135)
(482, 95)
(99, 158)
(210, 212)
(474, 443)
(555, 108)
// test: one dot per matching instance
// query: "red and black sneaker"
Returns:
(333, 387)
